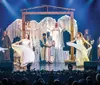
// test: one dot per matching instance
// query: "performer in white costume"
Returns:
(56, 36)
(24, 50)
(81, 51)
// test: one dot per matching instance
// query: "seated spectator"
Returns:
(98, 78)
(75, 83)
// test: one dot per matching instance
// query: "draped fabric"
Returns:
(14, 29)
(65, 24)
(47, 24)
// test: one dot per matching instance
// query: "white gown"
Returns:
(81, 52)
(56, 38)
(26, 53)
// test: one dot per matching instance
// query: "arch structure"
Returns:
(66, 23)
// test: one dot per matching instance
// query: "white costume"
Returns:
(81, 52)
(56, 37)
(26, 53)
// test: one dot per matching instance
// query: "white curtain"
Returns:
(65, 24)
(14, 29)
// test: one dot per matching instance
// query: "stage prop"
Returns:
(14, 29)
(35, 28)
(66, 11)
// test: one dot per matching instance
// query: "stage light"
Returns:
(9, 8)
(90, 1)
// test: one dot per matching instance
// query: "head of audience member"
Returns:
(17, 83)
(75, 83)
(40, 81)
(82, 82)
(24, 81)
(5, 81)
(98, 78)
(88, 78)
(56, 82)
(70, 80)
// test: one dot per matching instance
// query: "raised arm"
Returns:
(87, 42)
(18, 42)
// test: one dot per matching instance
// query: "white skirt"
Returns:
(81, 53)
(26, 53)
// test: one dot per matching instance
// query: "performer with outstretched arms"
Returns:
(23, 48)
(81, 51)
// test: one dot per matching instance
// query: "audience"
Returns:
(65, 77)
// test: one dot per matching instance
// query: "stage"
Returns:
(48, 67)
(93, 65)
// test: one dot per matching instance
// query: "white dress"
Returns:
(26, 53)
(56, 38)
(81, 52)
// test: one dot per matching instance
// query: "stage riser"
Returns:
(6, 66)
(91, 65)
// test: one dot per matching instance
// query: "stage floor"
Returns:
(48, 67)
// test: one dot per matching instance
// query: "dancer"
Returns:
(56, 33)
(81, 51)
(23, 48)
